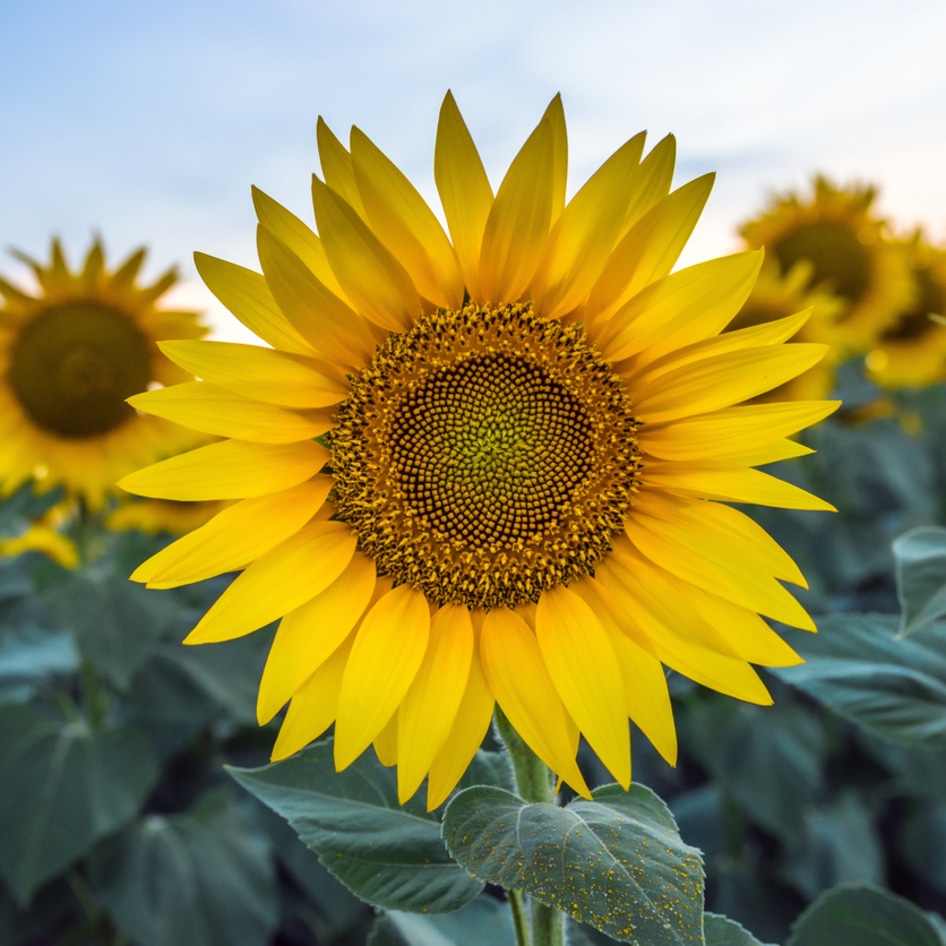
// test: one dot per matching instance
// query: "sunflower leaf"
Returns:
(616, 863)
(921, 577)
(895, 689)
(182, 880)
(721, 931)
(389, 855)
(64, 786)
(863, 916)
(483, 920)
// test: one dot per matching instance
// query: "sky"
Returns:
(147, 123)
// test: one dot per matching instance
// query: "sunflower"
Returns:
(491, 467)
(160, 516)
(837, 231)
(775, 297)
(69, 356)
(912, 350)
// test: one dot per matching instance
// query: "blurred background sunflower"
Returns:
(71, 352)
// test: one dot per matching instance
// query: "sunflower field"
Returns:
(554, 592)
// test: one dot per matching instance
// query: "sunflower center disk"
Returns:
(839, 259)
(73, 365)
(485, 456)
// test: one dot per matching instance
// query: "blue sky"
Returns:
(148, 123)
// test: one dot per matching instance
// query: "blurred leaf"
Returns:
(25, 506)
(29, 652)
(389, 855)
(863, 916)
(228, 672)
(836, 844)
(920, 556)
(190, 880)
(721, 931)
(923, 841)
(116, 623)
(483, 920)
(896, 689)
(167, 704)
(64, 786)
(338, 908)
(770, 760)
(616, 862)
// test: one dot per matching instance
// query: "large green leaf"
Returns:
(835, 843)
(190, 880)
(116, 623)
(616, 863)
(64, 786)
(863, 916)
(483, 920)
(921, 577)
(30, 653)
(896, 689)
(721, 931)
(388, 854)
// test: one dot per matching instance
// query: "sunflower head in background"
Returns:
(776, 297)
(70, 355)
(491, 466)
(911, 351)
(845, 242)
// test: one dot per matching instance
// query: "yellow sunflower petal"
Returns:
(310, 634)
(385, 743)
(206, 407)
(517, 676)
(430, 706)
(406, 225)
(472, 721)
(337, 169)
(464, 190)
(273, 376)
(232, 469)
(282, 579)
(526, 205)
(721, 381)
(715, 560)
(314, 705)
(654, 182)
(732, 484)
(235, 536)
(371, 276)
(388, 651)
(718, 434)
(334, 331)
(585, 233)
(653, 621)
(649, 250)
(292, 233)
(646, 696)
(247, 296)
(684, 307)
(584, 669)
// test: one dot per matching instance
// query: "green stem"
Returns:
(520, 919)
(535, 784)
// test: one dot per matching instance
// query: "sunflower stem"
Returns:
(534, 784)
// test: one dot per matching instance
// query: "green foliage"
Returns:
(191, 879)
(65, 785)
(921, 577)
(721, 931)
(483, 920)
(616, 863)
(894, 688)
(864, 916)
(389, 855)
